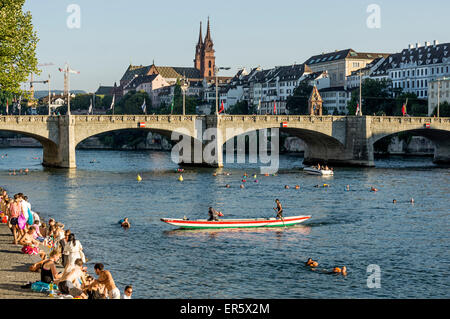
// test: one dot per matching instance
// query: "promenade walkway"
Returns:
(14, 269)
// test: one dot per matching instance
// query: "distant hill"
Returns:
(40, 94)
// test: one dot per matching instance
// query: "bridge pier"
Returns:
(61, 155)
(442, 152)
(357, 150)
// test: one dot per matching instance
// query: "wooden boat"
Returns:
(236, 223)
(315, 171)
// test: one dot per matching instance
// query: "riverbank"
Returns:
(14, 270)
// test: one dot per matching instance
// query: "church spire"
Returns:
(208, 33)
(200, 37)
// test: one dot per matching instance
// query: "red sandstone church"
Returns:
(202, 72)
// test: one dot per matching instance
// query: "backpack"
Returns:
(40, 286)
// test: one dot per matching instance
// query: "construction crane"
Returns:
(32, 102)
(67, 70)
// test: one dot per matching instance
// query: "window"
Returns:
(209, 64)
(209, 73)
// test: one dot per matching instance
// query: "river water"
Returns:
(356, 228)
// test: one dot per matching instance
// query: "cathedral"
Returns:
(205, 60)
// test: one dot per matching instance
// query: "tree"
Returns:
(18, 42)
(297, 103)
(241, 107)
(444, 110)
(376, 98)
(132, 102)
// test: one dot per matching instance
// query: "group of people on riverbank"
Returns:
(37, 238)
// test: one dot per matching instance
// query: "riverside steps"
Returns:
(335, 140)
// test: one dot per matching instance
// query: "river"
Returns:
(356, 228)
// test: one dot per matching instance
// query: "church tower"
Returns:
(205, 60)
(198, 50)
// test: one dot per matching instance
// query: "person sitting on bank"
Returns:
(48, 268)
(214, 214)
(71, 281)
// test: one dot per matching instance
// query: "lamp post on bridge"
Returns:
(184, 87)
(217, 69)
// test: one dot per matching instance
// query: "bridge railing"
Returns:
(134, 118)
(24, 119)
(280, 118)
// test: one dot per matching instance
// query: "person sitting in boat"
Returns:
(214, 214)
(125, 223)
(278, 209)
(326, 168)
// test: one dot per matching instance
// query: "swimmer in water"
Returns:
(337, 270)
(286, 186)
(373, 189)
(125, 223)
(394, 201)
(311, 263)
(348, 187)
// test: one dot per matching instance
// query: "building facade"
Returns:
(340, 64)
(438, 93)
(414, 68)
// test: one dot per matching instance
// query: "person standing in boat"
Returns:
(214, 214)
(279, 209)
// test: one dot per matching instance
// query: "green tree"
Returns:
(241, 107)
(376, 98)
(297, 103)
(18, 42)
(444, 110)
(132, 102)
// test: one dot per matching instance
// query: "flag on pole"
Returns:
(112, 103)
(144, 107)
(171, 105)
(259, 105)
(7, 107)
(90, 108)
(357, 108)
(404, 108)
(221, 108)
(274, 107)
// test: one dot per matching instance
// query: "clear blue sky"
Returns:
(246, 33)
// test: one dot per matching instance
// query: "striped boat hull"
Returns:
(236, 223)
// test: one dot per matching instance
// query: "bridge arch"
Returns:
(40, 128)
(439, 137)
(319, 145)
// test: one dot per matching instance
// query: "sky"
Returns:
(111, 34)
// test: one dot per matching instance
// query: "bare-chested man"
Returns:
(69, 283)
(105, 278)
(28, 240)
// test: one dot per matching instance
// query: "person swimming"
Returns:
(311, 263)
(125, 223)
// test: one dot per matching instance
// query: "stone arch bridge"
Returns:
(336, 140)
